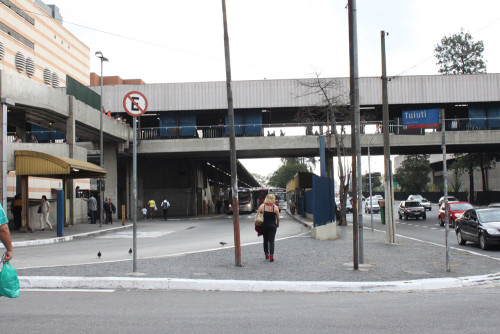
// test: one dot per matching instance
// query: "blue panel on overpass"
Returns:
(253, 123)
(187, 122)
(168, 124)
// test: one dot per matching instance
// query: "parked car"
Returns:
(371, 205)
(411, 209)
(456, 209)
(348, 205)
(450, 199)
(424, 201)
(479, 225)
(494, 205)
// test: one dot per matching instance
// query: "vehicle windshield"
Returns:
(374, 201)
(460, 207)
(412, 204)
(417, 197)
(489, 216)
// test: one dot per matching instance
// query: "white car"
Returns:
(372, 206)
(450, 199)
(425, 202)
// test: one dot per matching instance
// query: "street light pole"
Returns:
(99, 55)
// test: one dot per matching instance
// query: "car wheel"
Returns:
(441, 222)
(482, 242)
(460, 240)
(430, 209)
(406, 216)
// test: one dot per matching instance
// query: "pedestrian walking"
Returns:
(92, 206)
(151, 207)
(270, 225)
(144, 213)
(5, 235)
(44, 213)
(109, 209)
(292, 206)
(165, 205)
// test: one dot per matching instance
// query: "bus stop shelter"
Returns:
(33, 163)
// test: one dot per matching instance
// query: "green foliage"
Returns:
(287, 171)
(413, 174)
(456, 185)
(376, 182)
(459, 54)
(263, 180)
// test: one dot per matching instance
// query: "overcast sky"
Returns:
(182, 41)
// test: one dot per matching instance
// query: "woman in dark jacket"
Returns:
(270, 225)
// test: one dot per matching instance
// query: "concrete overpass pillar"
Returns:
(70, 141)
(3, 154)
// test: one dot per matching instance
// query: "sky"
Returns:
(182, 41)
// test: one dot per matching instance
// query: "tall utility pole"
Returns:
(445, 184)
(99, 55)
(355, 138)
(232, 144)
(389, 219)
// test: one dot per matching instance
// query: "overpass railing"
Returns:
(275, 129)
(299, 129)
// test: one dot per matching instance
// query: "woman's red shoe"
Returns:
(271, 259)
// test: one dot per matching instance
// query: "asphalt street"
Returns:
(471, 310)
(427, 230)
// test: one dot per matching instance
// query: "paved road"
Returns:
(155, 238)
(473, 310)
(426, 230)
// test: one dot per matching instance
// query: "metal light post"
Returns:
(99, 55)
(370, 180)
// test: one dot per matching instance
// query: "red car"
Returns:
(456, 210)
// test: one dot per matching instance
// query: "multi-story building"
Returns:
(35, 44)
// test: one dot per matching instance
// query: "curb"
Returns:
(54, 282)
(67, 238)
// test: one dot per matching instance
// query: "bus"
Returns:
(245, 200)
(259, 194)
(280, 194)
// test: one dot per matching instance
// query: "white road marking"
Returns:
(68, 290)
(129, 235)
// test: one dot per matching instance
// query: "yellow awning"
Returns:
(32, 163)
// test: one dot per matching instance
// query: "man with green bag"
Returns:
(9, 283)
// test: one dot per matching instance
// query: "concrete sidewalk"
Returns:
(302, 264)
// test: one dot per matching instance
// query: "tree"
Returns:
(332, 109)
(474, 161)
(413, 174)
(287, 171)
(376, 182)
(459, 54)
(263, 180)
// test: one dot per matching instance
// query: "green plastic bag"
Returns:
(9, 283)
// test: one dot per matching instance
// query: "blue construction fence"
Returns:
(319, 201)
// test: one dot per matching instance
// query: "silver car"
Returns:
(425, 202)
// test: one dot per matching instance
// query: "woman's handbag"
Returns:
(9, 283)
(39, 209)
(259, 218)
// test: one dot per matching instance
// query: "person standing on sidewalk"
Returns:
(165, 205)
(92, 206)
(5, 235)
(109, 209)
(270, 225)
(44, 213)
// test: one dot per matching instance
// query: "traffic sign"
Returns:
(135, 103)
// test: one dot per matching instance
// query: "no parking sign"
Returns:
(135, 103)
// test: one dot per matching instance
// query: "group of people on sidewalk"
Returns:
(108, 206)
(151, 208)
